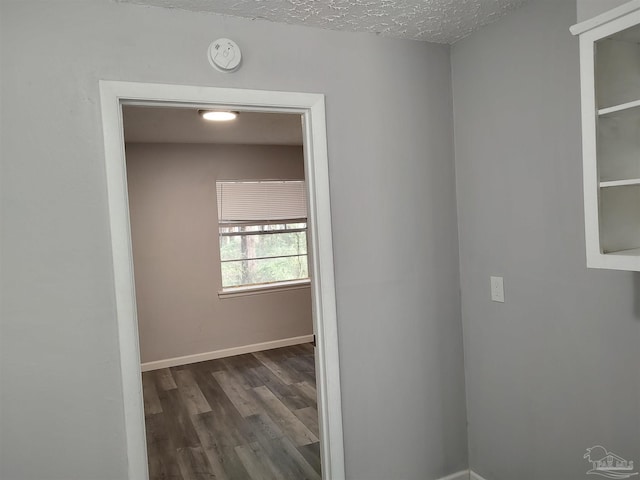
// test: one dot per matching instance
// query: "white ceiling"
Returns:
(184, 125)
(441, 21)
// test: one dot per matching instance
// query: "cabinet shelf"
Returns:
(633, 252)
(620, 183)
(619, 108)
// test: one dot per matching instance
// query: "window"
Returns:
(263, 232)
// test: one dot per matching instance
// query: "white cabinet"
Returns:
(610, 83)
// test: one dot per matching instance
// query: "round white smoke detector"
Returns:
(224, 55)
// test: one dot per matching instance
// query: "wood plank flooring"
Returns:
(250, 417)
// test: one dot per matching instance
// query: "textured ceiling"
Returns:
(441, 21)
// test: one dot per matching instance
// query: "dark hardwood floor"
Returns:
(250, 417)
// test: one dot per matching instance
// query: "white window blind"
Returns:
(266, 201)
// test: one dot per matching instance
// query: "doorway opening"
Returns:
(218, 220)
(115, 96)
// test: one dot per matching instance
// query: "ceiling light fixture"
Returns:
(217, 115)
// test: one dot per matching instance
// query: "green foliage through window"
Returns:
(261, 253)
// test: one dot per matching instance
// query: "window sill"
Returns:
(265, 288)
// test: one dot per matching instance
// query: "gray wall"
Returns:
(555, 369)
(394, 229)
(174, 230)
(591, 8)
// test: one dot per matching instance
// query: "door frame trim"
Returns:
(113, 94)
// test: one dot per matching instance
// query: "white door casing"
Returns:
(113, 94)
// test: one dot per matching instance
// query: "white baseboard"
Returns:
(227, 352)
(474, 476)
(463, 475)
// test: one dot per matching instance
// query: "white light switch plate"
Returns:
(497, 289)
